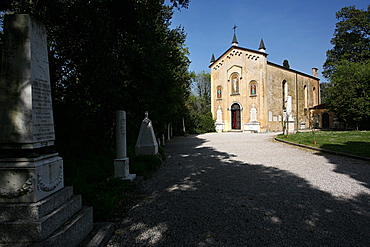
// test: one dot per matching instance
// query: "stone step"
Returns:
(72, 232)
(99, 235)
(38, 230)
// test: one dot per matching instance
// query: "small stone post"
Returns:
(121, 163)
(169, 131)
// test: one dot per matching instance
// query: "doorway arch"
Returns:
(235, 116)
(325, 120)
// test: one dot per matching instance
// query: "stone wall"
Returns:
(252, 67)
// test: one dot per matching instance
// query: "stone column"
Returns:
(121, 163)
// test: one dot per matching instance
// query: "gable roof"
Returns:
(237, 48)
(260, 53)
(292, 70)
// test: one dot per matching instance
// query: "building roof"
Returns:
(239, 48)
(292, 70)
(320, 106)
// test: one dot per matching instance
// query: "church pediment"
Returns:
(236, 52)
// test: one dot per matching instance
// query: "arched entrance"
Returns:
(325, 120)
(235, 116)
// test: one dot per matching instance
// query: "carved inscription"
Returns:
(42, 115)
(43, 124)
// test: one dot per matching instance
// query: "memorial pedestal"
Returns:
(122, 169)
(252, 127)
(57, 220)
(220, 126)
(30, 179)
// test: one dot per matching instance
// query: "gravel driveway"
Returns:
(237, 189)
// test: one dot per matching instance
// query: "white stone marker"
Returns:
(146, 142)
(253, 126)
(219, 124)
(288, 117)
(121, 163)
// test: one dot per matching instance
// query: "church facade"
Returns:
(251, 94)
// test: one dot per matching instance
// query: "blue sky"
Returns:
(299, 31)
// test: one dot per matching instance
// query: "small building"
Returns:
(322, 118)
(251, 94)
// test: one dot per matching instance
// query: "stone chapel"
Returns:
(251, 94)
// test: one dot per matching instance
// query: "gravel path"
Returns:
(237, 189)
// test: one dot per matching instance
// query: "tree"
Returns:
(199, 104)
(108, 55)
(202, 86)
(347, 67)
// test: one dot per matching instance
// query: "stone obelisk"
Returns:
(29, 169)
(36, 209)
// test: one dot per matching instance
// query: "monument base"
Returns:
(146, 149)
(290, 128)
(58, 220)
(252, 127)
(122, 169)
(30, 179)
(129, 177)
(219, 127)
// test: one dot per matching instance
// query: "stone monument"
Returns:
(146, 142)
(121, 163)
(253, 125)
(219, 124)
(288, 119)
(36, 208)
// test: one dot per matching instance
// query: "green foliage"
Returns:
(349, 93)
(91, 178)
(347, 68)
(144, 165)
(199, 105)
(351, 39)
(107, 195)
(201, 123)
(351, 142)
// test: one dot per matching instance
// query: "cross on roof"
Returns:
(234, 28)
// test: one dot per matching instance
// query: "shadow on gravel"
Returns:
(223, 202)
(356, 169)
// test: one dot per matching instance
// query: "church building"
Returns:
(251, 94)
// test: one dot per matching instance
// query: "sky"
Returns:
(296, 30)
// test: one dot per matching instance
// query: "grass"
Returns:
(350, 142)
